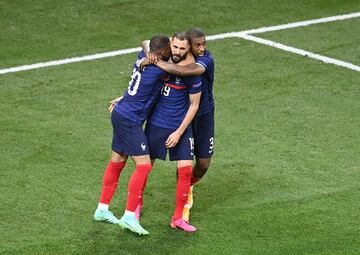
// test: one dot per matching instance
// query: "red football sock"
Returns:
(110, 181)
(141, 199)
(137, 185)
(182, 190)
(193, 180)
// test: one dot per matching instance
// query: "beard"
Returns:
(165, 58)
(200, 54)
(177, 59)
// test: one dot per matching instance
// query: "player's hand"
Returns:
(114, 102)
(173, 139)
(144, 63)
(152, 57)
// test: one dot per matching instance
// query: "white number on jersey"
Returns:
(191, 140)
(211, 147)
(134, 82)
(165, 91)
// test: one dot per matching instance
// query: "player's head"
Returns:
(197, 41)
(160, 44)
(180, 45)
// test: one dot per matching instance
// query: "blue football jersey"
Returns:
(174, 102)
(207, 97)
(143, 90)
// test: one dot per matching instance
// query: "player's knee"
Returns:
(199, 173)
(117, 157)
(203, 164)
(185, 171)
(184, 163)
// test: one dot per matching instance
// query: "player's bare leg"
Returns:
(200, 169)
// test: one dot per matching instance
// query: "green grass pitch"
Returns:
(285, 176)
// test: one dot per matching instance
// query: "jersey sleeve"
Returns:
(141, 55)
(204, 61)
(195, 85)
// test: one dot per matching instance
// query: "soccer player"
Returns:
(129, 138)
(203, 123)
(168, 127)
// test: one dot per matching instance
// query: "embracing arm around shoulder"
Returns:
(151, 57)
(188, 70)
(188, 60)
(174, 138)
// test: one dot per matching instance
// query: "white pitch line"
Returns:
(70, 60)
(209, 38)
(301, 52)
(284, 26)
(303, 23)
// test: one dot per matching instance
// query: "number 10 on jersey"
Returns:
(134, 82)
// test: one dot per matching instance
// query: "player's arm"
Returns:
(189, 59)
(188, 70)
(151, 57)
(174, 138)
(145, 45)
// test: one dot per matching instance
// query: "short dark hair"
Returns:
(159, 42)
(181, 36)
(195, 33)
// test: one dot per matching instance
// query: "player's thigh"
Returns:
(128, 138)
(184, 149)
(203, 131)
(157, 137)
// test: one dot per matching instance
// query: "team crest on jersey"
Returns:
(177, 80)
(143, 146)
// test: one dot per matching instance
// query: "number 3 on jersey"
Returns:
(134, 82)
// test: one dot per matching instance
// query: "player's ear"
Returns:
(165, 52)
